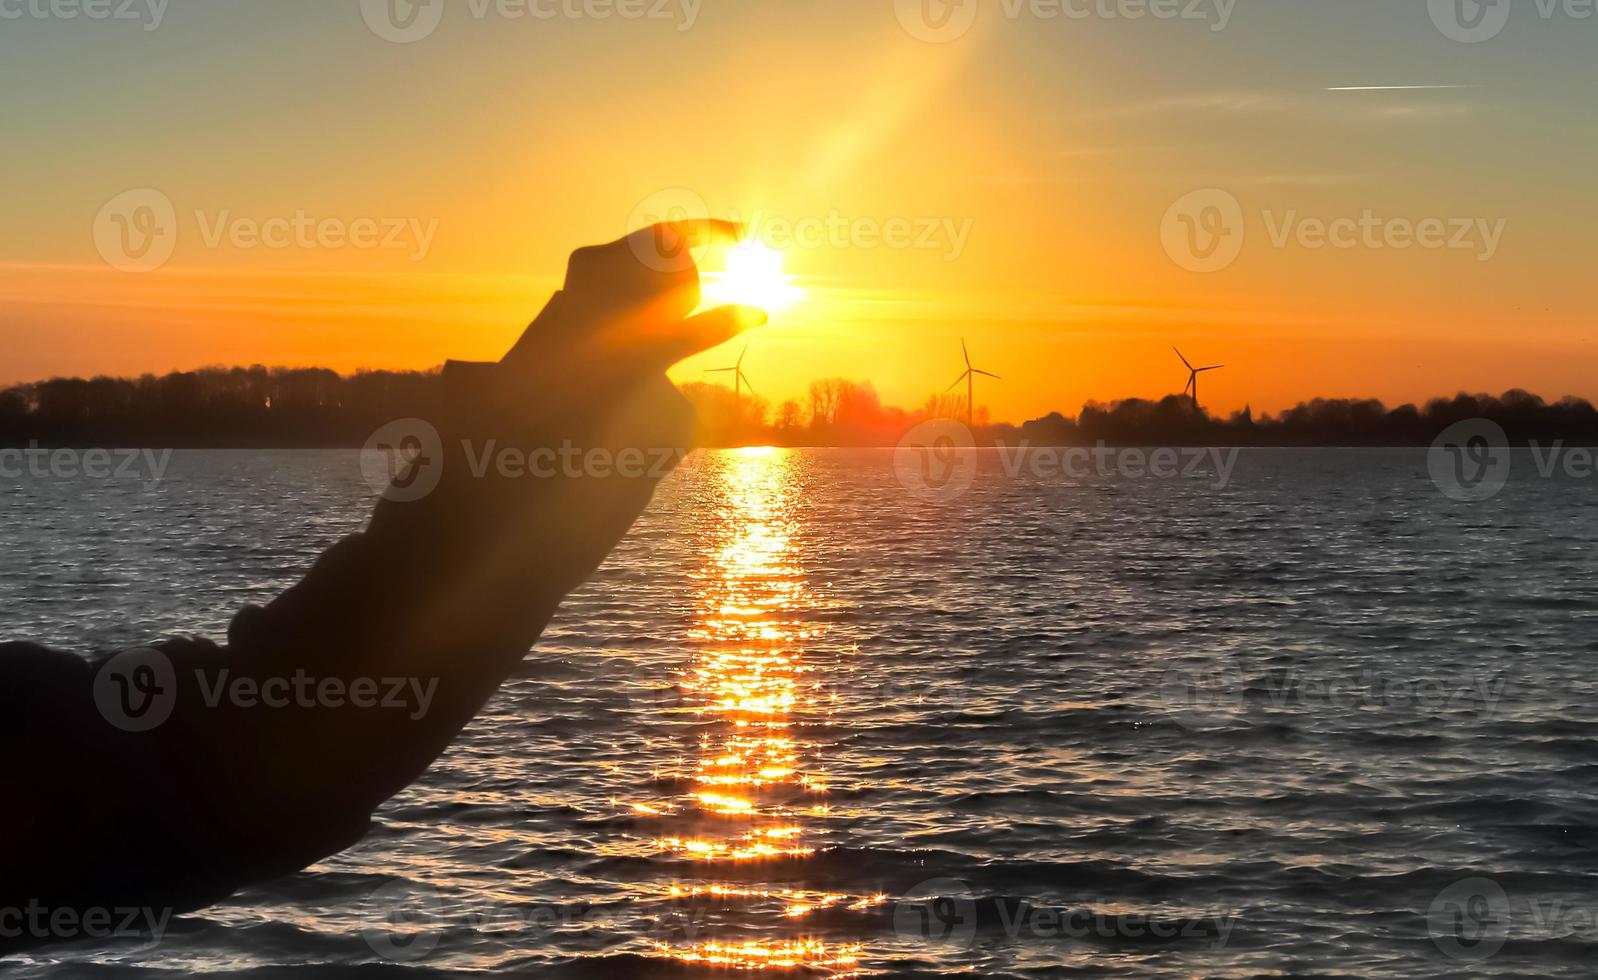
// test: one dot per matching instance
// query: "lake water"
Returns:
(1321, 719)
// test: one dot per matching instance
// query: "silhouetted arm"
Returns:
(437, 602)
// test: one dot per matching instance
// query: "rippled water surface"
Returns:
(1320, 720)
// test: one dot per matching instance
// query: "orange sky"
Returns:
(1031, 165)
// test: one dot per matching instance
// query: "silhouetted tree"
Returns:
(313, 407)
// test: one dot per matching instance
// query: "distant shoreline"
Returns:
(1531, 446)
(259, 408)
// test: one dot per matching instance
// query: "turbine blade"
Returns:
(1215, 368)
(957, 382)
(719, 370)
(1184, 360)
(965, 353)
(987, 374)
(746, 383)
(743, 355)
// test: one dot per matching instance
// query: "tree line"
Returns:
(260, 407)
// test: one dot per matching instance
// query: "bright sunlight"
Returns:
(752, 276)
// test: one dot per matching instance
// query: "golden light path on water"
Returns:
(755, 792)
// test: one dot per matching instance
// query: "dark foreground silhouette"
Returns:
(275, 749)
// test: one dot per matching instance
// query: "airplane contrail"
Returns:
(1392, 88)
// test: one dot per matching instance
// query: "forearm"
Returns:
(439, 599)
(271, 754)
(237, 782)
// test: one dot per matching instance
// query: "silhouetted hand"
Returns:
(625, 310)
(587, 380)
(460, 583)
(446, 592)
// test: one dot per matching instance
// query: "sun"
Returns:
(752, 276)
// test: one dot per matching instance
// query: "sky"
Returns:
(1334, 198)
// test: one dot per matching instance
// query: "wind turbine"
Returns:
(970, 379)
(1192, 377)
(739, 381)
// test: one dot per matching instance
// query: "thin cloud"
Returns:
(1322, 103)
(1174, 179)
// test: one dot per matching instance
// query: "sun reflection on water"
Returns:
(755, 792)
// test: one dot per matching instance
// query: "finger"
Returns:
(666, 247)
(686, 338)
(691, 233)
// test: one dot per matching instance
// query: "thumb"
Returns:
(700, 333)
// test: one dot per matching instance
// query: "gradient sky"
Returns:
(1059, 145)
